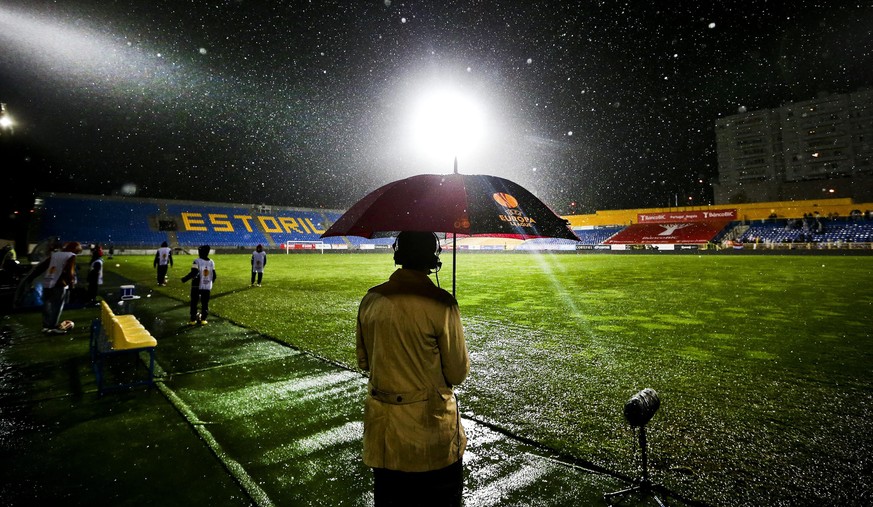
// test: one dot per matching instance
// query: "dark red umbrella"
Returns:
(456, 203)
(470, 204)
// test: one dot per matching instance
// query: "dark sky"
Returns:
(608, 104)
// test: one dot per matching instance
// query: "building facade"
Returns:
(815, 149)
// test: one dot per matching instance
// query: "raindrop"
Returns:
(202, 51)
(712, 25)
(529, 61)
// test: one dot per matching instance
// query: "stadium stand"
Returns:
(139, 225)
(668, 233)
(89, 219)
(132, 223)
(596, 236)
(834, 231)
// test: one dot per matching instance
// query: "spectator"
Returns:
(95, 274)
(10, 268)
(410, 339)
(163, 261)
(202, 276)
(60, 278)
(10, 260)
(259, 262)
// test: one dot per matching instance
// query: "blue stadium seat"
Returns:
(99, 220)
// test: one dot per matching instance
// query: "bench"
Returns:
(114, 335)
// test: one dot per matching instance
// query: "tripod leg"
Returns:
(625, 491)
(644, 487)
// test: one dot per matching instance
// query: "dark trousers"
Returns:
(92, 292)
(93, 286)
(437, 488)
(53, 301)
(260, 276)
(201, 297)
(162, 273)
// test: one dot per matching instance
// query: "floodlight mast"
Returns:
(446, 121)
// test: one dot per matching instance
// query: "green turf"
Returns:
(763, 363)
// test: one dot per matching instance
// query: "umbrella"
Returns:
(469, 204)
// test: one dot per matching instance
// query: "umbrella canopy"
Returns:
(471, 204)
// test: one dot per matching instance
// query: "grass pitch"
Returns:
(763, 363)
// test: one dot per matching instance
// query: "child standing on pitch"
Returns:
(95, 274)
(163, 261)
(202, 276)
(259, 260)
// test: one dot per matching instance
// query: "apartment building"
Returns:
(805, 150)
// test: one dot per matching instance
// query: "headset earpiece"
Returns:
(412, 249)
(436, 255)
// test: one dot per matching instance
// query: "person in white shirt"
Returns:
(60, 278)
(259, 260)
(202, 276)
(163, 261)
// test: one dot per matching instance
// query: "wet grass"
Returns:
(762, 363)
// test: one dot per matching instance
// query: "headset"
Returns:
(418, 250)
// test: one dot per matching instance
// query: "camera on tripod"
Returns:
(642, 407)
(638, 411)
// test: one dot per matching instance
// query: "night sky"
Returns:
(606, 104)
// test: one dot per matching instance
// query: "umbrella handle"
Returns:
(454, 262)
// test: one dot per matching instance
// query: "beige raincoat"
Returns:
(410, 339)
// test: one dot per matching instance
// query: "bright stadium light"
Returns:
(447, 124)
(5, 120)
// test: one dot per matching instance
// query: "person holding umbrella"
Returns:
(410, 338)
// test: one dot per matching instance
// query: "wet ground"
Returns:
(235, 418)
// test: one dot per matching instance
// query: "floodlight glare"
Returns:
(5, 119)
(447, 124)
